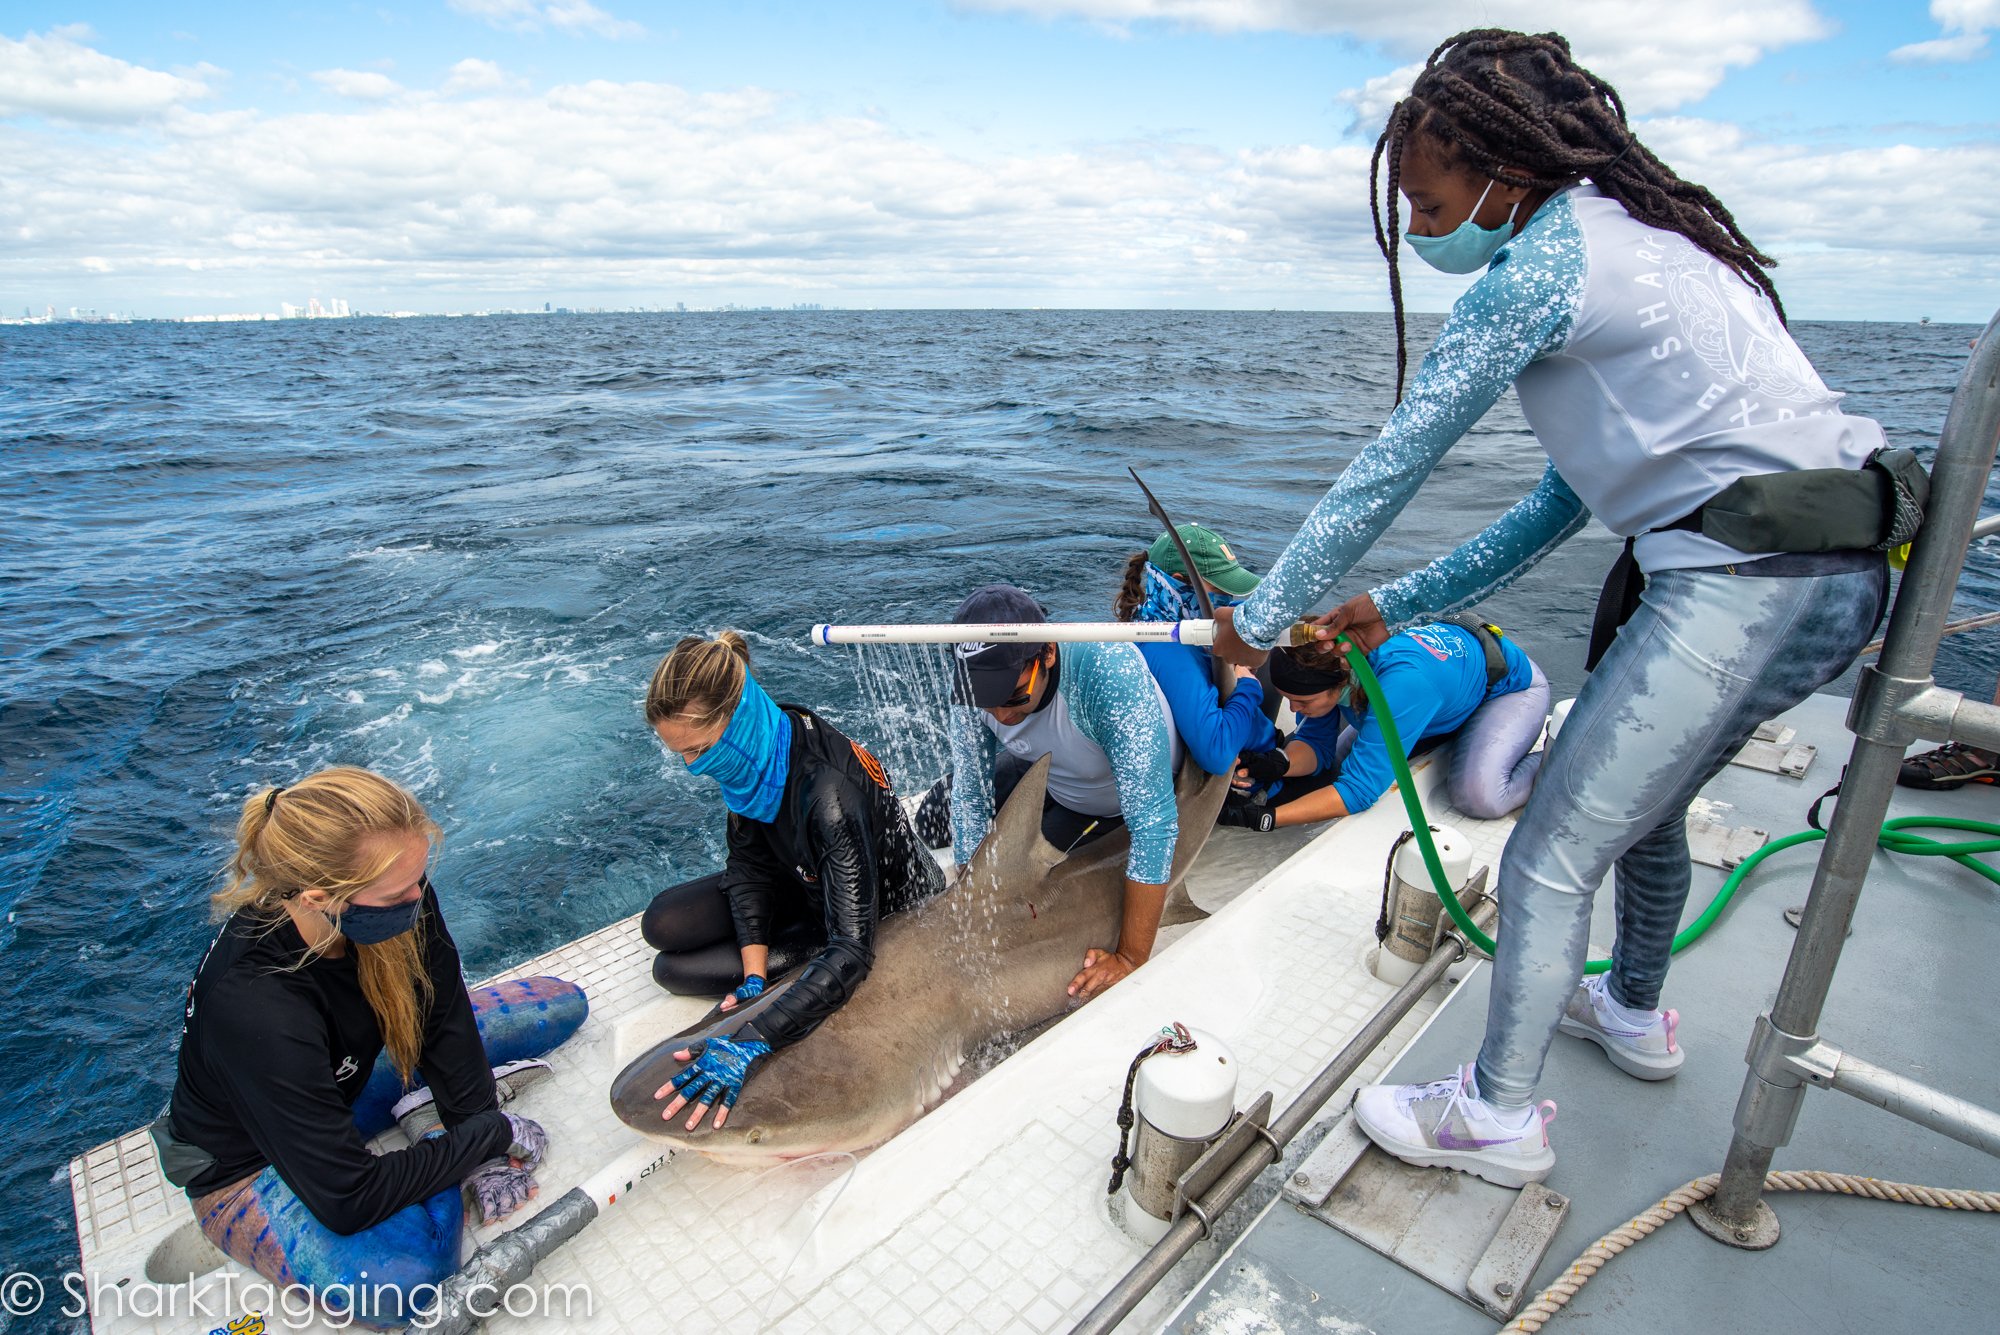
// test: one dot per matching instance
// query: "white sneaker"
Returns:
(1646, 1050)
(416, 1112)
(1445, 1124)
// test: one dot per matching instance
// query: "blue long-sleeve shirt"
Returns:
(1109, 714)
(1433, 678)
(1214, 731)
(1652, 374)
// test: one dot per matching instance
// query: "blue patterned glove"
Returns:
(753, 987)
(498, 1188)
(720, 1068)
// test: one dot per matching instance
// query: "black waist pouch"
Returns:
(1876, 507)
(180, 1162)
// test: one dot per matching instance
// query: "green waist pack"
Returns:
(1876, 507)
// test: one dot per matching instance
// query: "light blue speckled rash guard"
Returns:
(1115, 753)
(1652, 374)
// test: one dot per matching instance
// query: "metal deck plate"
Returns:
(1478, 1242)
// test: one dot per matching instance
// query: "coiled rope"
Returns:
(1553, 1298)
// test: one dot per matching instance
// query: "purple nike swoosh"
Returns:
(1447, 1141)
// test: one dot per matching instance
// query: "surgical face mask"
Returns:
(371, 925)
(1468, 247)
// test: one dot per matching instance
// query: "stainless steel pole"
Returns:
(1890, 700)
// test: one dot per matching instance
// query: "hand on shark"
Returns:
(753, 987)
(1101, 968)
(721, 1065)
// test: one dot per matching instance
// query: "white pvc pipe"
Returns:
(1200, 632)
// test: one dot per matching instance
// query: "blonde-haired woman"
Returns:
(819, 852)
(334, 954)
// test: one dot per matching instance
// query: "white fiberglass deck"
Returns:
(988, 1214)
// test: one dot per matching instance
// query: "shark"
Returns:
(988, 957)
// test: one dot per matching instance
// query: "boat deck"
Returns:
(987, 1215)
(1913, 993)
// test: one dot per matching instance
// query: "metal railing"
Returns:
(1896, 702)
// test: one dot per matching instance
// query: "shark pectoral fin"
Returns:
(1008, 854)
(632, 1091)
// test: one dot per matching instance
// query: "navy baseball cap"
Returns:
(987, 673)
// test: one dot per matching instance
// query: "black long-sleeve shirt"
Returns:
(274, 1054)
(840, 841)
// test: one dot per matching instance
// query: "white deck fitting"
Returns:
(987, 1215)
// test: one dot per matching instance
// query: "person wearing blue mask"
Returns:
(1215, 731)
(819, 852)
(1644, 338)
(335, 955)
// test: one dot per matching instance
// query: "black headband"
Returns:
(1292, 677)
(271, 799)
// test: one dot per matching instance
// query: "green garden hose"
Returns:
(1892, 836)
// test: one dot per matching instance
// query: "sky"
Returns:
(173, 158)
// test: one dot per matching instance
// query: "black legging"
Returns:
(1065, 829)
(690, 925)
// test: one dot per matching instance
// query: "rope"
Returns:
(1173, 1038)
(1553, 1298)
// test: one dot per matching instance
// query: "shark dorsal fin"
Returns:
(1013, 851)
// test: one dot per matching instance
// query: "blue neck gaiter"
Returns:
(1167, 599)
(752, 756)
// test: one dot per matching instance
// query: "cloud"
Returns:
(1373, 101)
(1659, 57)
(573, 16)
(1968, 19)
(473, 75)
(362, 85)
(1965, 46)
(55, 74)
(653, 192)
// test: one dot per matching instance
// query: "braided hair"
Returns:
(1519, 109)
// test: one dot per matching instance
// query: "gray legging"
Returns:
(1492, 771)
(1707, 657)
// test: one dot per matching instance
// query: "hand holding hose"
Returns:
(1359, 618)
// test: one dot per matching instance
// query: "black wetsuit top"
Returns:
(841, 842)
(273, 1058)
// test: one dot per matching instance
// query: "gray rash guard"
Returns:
(1114, 747)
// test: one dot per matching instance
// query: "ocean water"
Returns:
(452, 550)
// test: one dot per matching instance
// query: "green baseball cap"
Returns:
(1212, 559)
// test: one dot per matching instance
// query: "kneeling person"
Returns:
(1436, 679)
(1097, 712)
(334, 951)
(819, 852)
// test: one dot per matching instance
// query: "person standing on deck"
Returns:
(1651, 357)
(1098, 714)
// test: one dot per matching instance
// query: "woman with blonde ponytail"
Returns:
(819, 852)
(334, 953)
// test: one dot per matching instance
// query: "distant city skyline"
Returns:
(454, 155)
